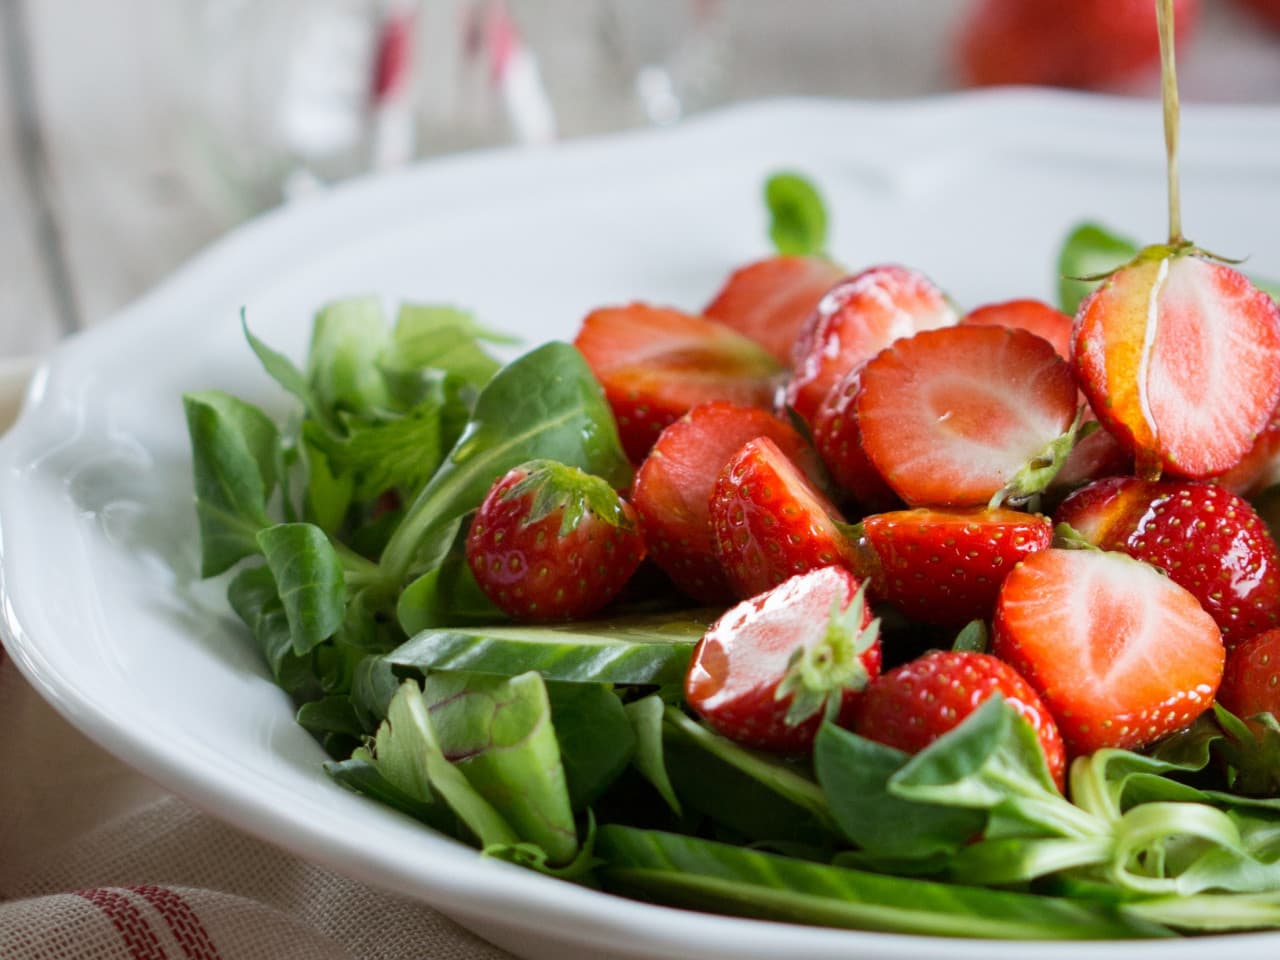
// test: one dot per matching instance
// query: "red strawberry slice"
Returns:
(946, 566)
(770, 523)
(1034, 316)
(550, 542)
(953, 417)
(770, 300)
(763, 673)
(1180, 359)
(1120, 654)
(656, 364)
(912, 705)
(1206, 538)
(856, 320)
(839, 441)
(673, 489)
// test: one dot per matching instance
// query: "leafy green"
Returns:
(233, 446)
(645, 716)
(309, 577)
(702, 874)
(854, 774)
(442, 338)
(347, 339)
(1089, 250)
(798, 217)
(595, 737)
(360, 775)
(253, 596)
(446, 596)
(545, 404)
(500, 734)
(642, 649)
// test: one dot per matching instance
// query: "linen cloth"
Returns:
(97, 863)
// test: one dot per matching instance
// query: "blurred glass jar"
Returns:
(293, 94)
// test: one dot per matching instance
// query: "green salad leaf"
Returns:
(797, 215)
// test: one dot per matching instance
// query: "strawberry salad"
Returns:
(831, 603)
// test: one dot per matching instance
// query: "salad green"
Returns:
(344, 524)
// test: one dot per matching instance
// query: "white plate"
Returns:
(101, 604)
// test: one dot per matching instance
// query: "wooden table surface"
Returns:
(106, 176)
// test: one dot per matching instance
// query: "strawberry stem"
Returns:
(818, 675)
(1169, 95)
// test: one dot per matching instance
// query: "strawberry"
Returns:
(966, 415)
(1064, 43)
(769, 522)
(1207, 539)
(550, 542)
(1251, 680)
(857, 319)
(946, 566)
(912, 705)
(1251, 691)
(656, 364)
(1267, 10)
(767, 672)
(770, 300)
(839, 442)
(1120, 654)
(1180, 359)
(1034, 316)
(1259, 468)
(673, 488)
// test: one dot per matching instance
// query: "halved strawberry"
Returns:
(1034, 316)
(1180, 359)
(673, 486)
(946, 566)
(953, 417)
(656, 364)
(857, 319)
(550, 542)
(770, 300)
(1259, 468)
(1206, 538)
(912, 705)
(764, 673)
(770, 523)
(839, 441)
(1120, 654)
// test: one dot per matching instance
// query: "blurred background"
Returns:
(135, 132)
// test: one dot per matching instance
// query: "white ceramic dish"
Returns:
(101, 605)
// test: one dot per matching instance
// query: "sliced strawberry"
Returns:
(1180, 359)
(946, 566)
(912, 705)
(550, 542)
(1120, 654)
(1096, 455)
(839, 441)
(1259, 468)
(770, 523)
(674, 484)
(857, 319)
(764, 672)
(1206, 538)
(656, 364)
(1034, 316)
(770, 300)
(953, 417)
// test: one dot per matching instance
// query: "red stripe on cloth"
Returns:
(183, 922)
(134, 929)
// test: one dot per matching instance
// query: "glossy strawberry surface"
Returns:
(912, 705)
(1207, 539)
(857, 319)
(737, 668)
(770, 523)
(673, 487)
(656, 363)
(1119, 653)
(770, 300)
(946, 566)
